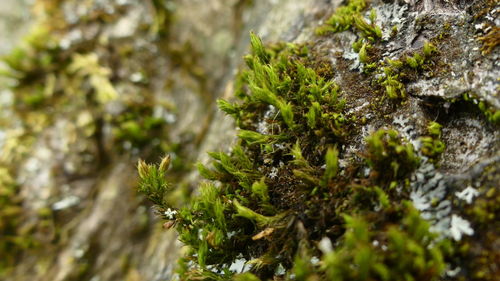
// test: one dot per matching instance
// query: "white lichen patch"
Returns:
(263, 126)
(407, 131)
(65, 203)
(238, 266)
(459, 226)
(388, 16)
(325, 245)
(280, 270)
(357, 108)
(428, 194)
(170, 214)
(273, 173)
(469, 142)
(467, 194)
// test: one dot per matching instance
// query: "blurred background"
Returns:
(87, 87)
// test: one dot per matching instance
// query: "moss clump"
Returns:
(477, 255)
(492, 114)
(349, 16)
(432, 146)
(406, 251)
(391, 75)
(385, 149)
(395, 73)
(281, 190)
(14, 237)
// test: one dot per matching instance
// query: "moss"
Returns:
(391, 75)
(385, 149)
(396, 73)
(282, 187)
(413, 255)
(163, 17)
(477, 256)
(432, 146)
(13, 238)
(491, 113)
(349, 16)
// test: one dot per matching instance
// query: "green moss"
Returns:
(386, 150)
(492, 114)
(432, 146)
(477, 255)
(391, 75)
(282, 187)
(349, 16)
(12, 238)
(395, 72)
(406, 251)
(163, 17)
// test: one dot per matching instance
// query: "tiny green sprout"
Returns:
(386, 149)
(165, 162)
(260, 189)
(296, 152)
(412, 62)
(287, 113)
(363, 55)
(228, 108)
(152, 180)
(252, 137)
(429, 49)
(434, 129)
(382, 197)
(142, 168)
(395, 63)
(356, 45)
(313, 114)
(249, 61)
(263, 94)
(306, 177)
(482, 106)
(311, 118)
(394, 30)
(332, 165)
(495, 117)
(343, 18)
(489, 112)
(369, 31)
(261, 220)
(394, 88)
(431, 147)
(258, 48)
(419, 59)
(373, 15)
